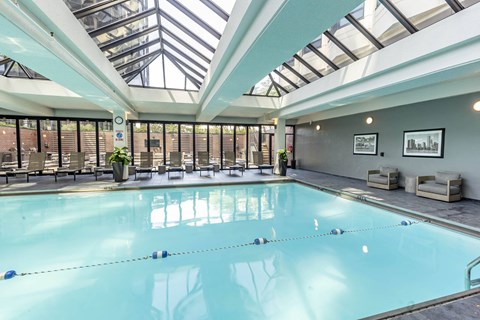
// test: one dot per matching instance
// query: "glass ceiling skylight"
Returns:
(370, 27)
(10, 68)
(156, 43)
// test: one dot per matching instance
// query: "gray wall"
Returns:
(330, 150)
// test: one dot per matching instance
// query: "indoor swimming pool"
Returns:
(91, 255)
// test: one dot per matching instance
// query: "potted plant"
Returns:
(282, 161)
(120, 161)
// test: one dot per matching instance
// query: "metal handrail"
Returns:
(468, 274)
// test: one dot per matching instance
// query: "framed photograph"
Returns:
(424, 143)
(365, 143)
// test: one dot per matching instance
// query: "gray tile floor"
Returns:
(465, 212)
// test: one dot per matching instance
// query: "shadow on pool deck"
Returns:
(465, 211)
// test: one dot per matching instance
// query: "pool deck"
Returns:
(465, 212)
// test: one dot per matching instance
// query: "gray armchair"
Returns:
(444, 186)
(385, 178)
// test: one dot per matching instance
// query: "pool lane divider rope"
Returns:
(165, 254)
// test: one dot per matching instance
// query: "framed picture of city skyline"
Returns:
(423, 143)
(365, 143)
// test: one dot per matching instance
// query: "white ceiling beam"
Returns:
(275, 31)
(33, 33)
(393, 69)
(12, 103)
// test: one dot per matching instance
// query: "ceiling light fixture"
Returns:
(318, 127)
(369, 120)
(476, 106)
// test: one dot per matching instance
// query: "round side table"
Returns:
(410, 184)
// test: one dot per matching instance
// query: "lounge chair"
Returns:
(203, 163)
(76, 165)
(107, 168)
(36, 164)
(444, 186)
(258, 161)
(176, 163)
(385, 178)
(146, 164)
(230, 163)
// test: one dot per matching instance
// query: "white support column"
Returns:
(119, 130)
(279, 141)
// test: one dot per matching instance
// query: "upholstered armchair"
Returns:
(385, 178)
(444, 186)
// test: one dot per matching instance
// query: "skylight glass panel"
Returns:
(125, 30)
(188, 22)
(187, 38)
(383, 25)
(188, 32)
(262, 87)
(350, 37)
(423, 13)
(132, 44)
(16, 71)
(113, 14)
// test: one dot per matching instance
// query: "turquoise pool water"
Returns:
(347, 276)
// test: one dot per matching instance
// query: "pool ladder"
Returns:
(469, 283)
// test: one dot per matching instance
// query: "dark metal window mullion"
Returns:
(193, 80)
(99, 6)
(184, 64)
(139, 59)
(148, 136)
(219, 11)
(121, 41)
(59, 138)
(121, 23)
(286, 79)
(39, 137)
(455, 5)
(79, 144)
(194, 147)
(185, 44)
(364, 31)
(323, 57)
(309, 66)
(399, 16)
(132, 50)
(295, 72)
(195, 18)
(187, 31)
(97, 143)
(132, 74)
(340, 45)
(164, 137)
(221, 146)
(274, 84)
(19, 149)
(179, 137)
(132, 142)
(183, 54)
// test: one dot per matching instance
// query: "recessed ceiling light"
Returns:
(476, 106)
(318, 127)
(369, 120)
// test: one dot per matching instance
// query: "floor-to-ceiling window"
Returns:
(88, 144)
(241, 144)
(156, 143)
(227, 141)
(171, 139)
(68, 140)
(186, 143)
(8, 143)
(268, 148)
(201, 139)
(28, 139)
(105, 140)
(215, 143)
(140, 141)
(253, 142)
(289, 143)
(49, 140)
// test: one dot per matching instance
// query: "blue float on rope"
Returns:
(159, 254)
(337, 231)
(406, 222)
(8, 275)
(259, 241)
